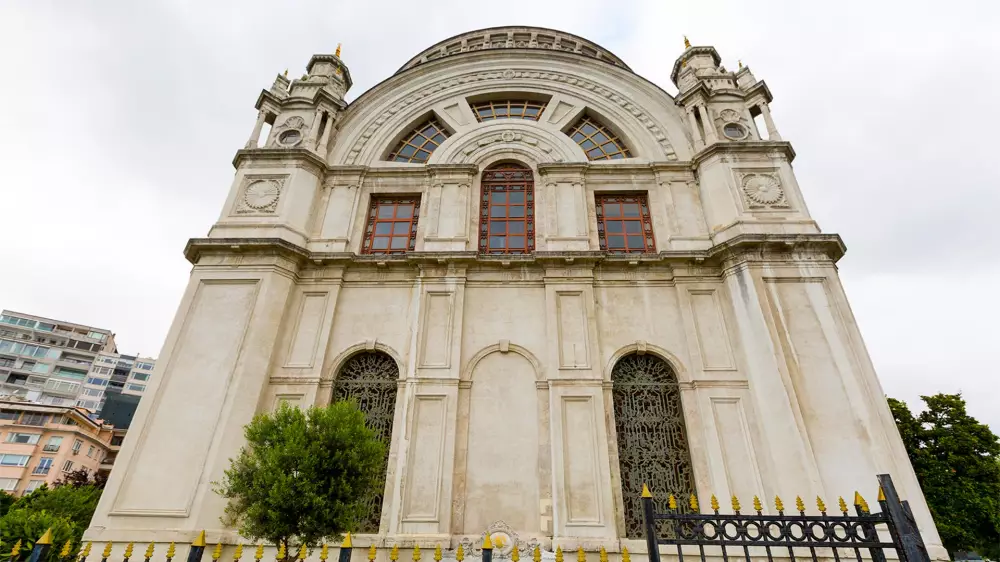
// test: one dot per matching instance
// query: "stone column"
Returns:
(706, 119)
(327, 134)
(255, 135)
(699, 142)
(772, 131)
(314, 128)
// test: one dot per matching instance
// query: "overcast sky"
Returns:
(120, 120)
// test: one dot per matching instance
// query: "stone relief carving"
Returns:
(510, 137)
(729, 115)
(283, 138)
(259, 194)
(763, 190)
(504, 540)
(449, 83)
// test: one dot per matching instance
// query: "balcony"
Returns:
(51, 448)
(42, 470)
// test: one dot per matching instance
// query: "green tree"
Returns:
(957, 461)
(66, 510)
(302, 476)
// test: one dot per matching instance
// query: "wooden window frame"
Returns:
(412, 140)
(489, 205)
(508, 106)
(607, 223)
(375, 218)
(604, 144)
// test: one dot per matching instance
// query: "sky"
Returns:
(120, 121)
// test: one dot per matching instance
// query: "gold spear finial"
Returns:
(437, 553)
(149, 551)
(171, 550)
(237, 554)
(881, 494)
(394, 553)
(581, 556)
(128, 549)
(799, 504)
(107, 550)
(46, 537)
(347, 541)
(757, 505)
(17, 550)
(515, 554)
(460, 553)
(338, 51)
(778, 504)
(672, 502)
(67, 549)
(559, 554)
(740, 62)
(285, 74)
(602, 554)
(714, 503)
(645, 491)
(842, 504)
(372, 552)
(281, 551)
(302, 552)
(626, 557)
(693, 502)
(736, 503)
(416, 553)
(217, 552)
(860, 502)
(687, 44)
(199, 540)
(536, 556)
(487, 542)
(86, 550)
(324, 551)
(259, 553)
(820, 504)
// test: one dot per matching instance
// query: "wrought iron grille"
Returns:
(652, 438)
(370, 380)
(507, 210)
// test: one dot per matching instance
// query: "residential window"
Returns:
(71, 373)
(140, 376)
(90, 451)
(419, 143)
(597, 141)
(392, 225)
(53, 445)
(507, 210)
(9, 414)
(23, 438)
(76, 446)
(97, 382)
(14, 460)
(39, 368)
(8, 484)
(34, 418)
(33, 485)
(136, 387)
(623, 223)
(93, 392)
(67, 466)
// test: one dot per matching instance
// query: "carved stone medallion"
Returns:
(729, 115)
(260, 194)
(763, 190)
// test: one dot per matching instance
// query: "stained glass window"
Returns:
(418, 145)
(507, 210)
(391, 227)
(652, 438)
(597, 140)
(370, 380)
(623, 223)
(508, 109)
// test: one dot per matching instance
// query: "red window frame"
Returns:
(391, 227)
(507, 210)
(623, 223)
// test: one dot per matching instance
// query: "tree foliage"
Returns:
(957, 461)
(66, 510)
(302, 476)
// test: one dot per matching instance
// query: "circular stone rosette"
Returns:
(763, 190)
(261, 194)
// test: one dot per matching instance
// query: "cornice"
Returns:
(309, 157)
(762, 89)
(743, 147)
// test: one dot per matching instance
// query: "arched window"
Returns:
(507, 210)
(652, 439)
(370, 380)
(508, 109)
(418, 145)
(597, 140)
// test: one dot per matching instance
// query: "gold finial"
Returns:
(626, 557)
(17, 550)
(337, 54)
(107, 550)
(394, 553)
(714, 503)
(736, 503)
(324, 551)
(68, 548)
(128, 549)
(559, 554)
(460, 554)
(881, 494)
(86, 550)
(281, 551)
(416, 553)
(842, 503)
(302, 552)
(372, 552)
(285, 74)
(687, 44)
(149, 551)
(581, 556)
(820, 504)
(778, 505)
(693, 502)
(740, 62)
(259, 553)
(487, 542)
(347, 542)
(757, 505)
(498, 542)
(46, 537)
(536, 556)
(437, 553)
(171, 550)
(217, 551)
(645, 491)
(199, 540)
(799, 504)
(515, 554)
(672, 502)
(603, 554)
(237, 554)
(860, 501)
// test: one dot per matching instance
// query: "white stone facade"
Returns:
(504, 409)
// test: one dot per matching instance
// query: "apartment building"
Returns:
(115, 373)
(39, 443)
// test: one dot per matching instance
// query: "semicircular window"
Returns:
(597, 140)
(508, 109)
(419, 143)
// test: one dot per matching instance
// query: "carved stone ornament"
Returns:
(729, 115)
(504, 540)
(290, 133)
(510, 137)
(260, 195)
(763, 190)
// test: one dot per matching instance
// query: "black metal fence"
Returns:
(828, 535)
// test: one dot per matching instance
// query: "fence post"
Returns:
(41, 549)
(197, 548)
(902, 521)
(652, 543)
(487, 548)
(345, 549)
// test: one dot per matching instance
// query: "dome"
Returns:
(514, 37)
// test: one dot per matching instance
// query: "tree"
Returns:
(302, 476)
(957, 461)
(82, 477)
(66, 510)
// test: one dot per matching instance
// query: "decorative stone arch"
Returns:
(371, 345)
(502, 347)
(642, 348)
(538, 144)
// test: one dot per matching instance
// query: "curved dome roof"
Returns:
(514, 37)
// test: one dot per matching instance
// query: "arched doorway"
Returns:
(370, 379)
(507, 210)
(652, 438)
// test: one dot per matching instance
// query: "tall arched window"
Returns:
(370, 380)
(652, 439)
(507, 210)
